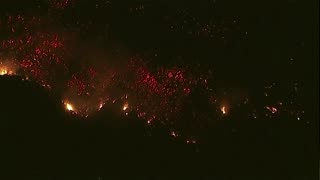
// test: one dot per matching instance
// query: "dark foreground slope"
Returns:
(39, 140)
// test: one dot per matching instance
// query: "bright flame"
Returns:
(7, 68)
(224, 110)
(6, 71)
(69, 107)
(3, 72)
(101, 106)
(125, 107)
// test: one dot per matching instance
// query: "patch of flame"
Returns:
(69, 106)
(3, 72)
(6, 70)
(125, 107)
(224, 110)
(101, 106)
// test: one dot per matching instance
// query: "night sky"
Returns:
(159, 89)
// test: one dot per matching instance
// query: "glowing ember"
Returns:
(273, 110)
(174, 134)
